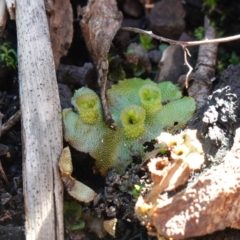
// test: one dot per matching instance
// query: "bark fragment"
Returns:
(60, 20)
(41, 124)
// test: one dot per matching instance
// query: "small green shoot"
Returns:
(137, 190)
(163, 150)
(146, 42)
(8, 56)
(224, 58)
(214, 25)
(210, 4)
(199, 33)
(235, 60)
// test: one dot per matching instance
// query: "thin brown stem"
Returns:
(182, 43)
(103, 71)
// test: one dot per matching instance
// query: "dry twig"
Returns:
(11, 122)
(187, 53)
(183, 44)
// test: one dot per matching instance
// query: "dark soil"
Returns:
(115, 192)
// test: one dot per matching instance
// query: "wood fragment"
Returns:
(11, 122)
(41, 124)
(60, 20)
(200, 84)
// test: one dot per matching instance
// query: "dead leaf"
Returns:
(101, 20)
(76, 189)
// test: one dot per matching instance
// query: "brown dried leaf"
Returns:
(101, 20)
(170, 172)
(173, 176)
(110, 226)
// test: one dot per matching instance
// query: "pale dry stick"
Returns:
(149, 5)
(186, 52)
(183, 44)
(41, 123)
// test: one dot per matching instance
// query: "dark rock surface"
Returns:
(166, 18)
(77, 76)
(220, 117)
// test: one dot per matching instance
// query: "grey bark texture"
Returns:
(3, 17)
(41, 123)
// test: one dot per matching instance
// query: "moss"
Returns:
(141, 109)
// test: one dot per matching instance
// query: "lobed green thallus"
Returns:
(140, 108)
